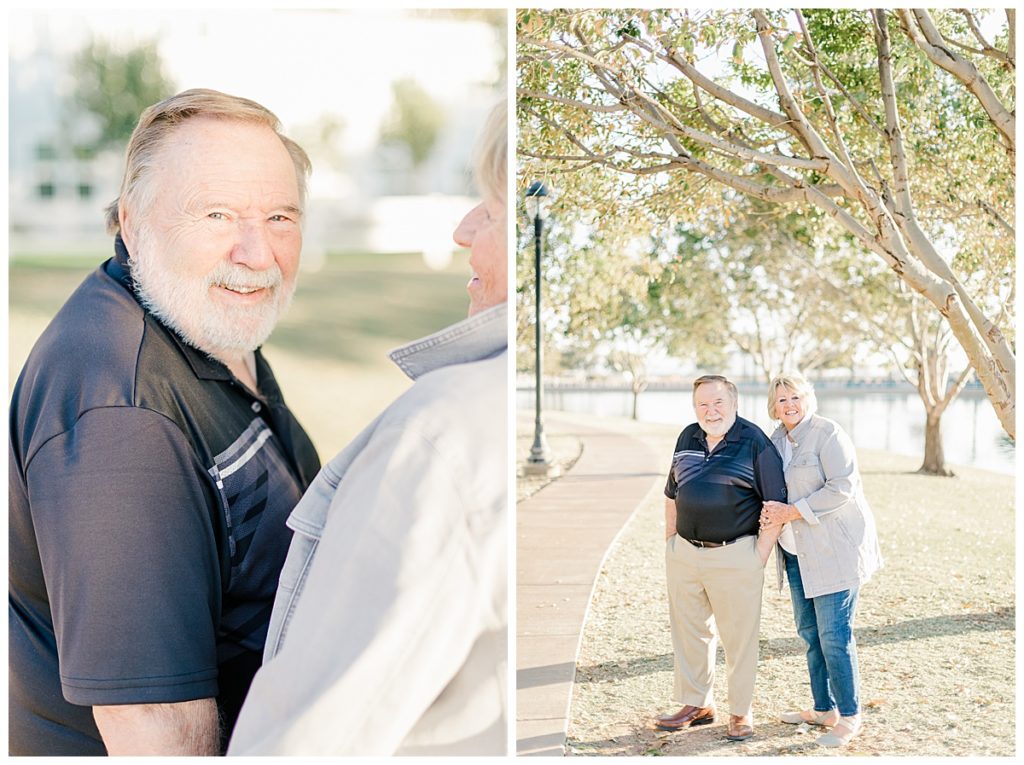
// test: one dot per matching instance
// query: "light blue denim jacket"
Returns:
(836, 542)
(388, 634)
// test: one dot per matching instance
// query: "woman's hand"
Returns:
(777, 514)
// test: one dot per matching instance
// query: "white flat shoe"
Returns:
(841, 732)
(811, 717)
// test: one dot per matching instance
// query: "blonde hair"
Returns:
(159, 121)
(797, 383)
(703, 379)
(491, 156)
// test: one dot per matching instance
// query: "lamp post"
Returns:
(539, 461)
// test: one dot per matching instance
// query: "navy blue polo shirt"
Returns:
(719, 494)
(148, 494)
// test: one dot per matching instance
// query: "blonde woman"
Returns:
(828, 549)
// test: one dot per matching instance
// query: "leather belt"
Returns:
(701, 543)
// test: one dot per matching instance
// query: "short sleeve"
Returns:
(771, 480)
(670, 484)
(128, 551)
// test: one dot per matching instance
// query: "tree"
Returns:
(884, 311)
(926, 365)
(779, 313)
(916, 168)
(116, 85)
(415, 121)
(616, 299)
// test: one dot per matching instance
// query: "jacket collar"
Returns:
(796, 434)
(474, 339)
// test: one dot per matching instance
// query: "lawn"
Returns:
(329, 353)
(935, 629)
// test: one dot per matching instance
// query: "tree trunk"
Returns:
(639, 386)
(934, 456)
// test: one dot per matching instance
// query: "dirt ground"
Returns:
(935, 633)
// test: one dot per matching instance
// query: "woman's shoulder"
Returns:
(823, 424)
(823, 428)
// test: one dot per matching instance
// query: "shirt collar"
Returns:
(118, 268)
(479, 337)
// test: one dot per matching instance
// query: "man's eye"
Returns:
(278, 218)
(217, 216)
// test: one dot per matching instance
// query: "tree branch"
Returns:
(904, 205)
(726, 96)
(921, 30)
(986, 49)
(1011, 37)
(602, 108)
(997, 217)
(808, 135)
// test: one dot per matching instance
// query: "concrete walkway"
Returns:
(563, 533)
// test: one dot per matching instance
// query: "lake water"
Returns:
(892, 421)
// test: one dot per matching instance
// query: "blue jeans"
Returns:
(826, 625)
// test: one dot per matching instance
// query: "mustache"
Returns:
(235, 276)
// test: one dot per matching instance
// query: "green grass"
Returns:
(329, 352)
(360, 305)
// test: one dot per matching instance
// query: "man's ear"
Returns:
(127, 224)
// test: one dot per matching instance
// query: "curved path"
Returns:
(563, 533)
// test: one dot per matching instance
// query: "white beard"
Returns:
(183, 302)
(719, 428)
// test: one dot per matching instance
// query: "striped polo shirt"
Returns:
(719, 493)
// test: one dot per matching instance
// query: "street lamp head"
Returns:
(535, 195)
(537, 189)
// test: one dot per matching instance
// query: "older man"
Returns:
(152, 458)
(723, 469)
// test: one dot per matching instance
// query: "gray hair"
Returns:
(159, 121)
(797, 383)
(703, 379)
(490, 168)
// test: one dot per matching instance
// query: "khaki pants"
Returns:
(708, 587)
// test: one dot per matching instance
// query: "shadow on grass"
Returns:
(698, 741)
(914, 629)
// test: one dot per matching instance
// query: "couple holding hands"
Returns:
(732, 495)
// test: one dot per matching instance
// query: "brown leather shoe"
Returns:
(740, 728)
(687, 717)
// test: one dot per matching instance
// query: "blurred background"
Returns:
(387, 103)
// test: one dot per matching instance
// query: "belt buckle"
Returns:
(704, 545)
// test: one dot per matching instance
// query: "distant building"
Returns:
(56, 190)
